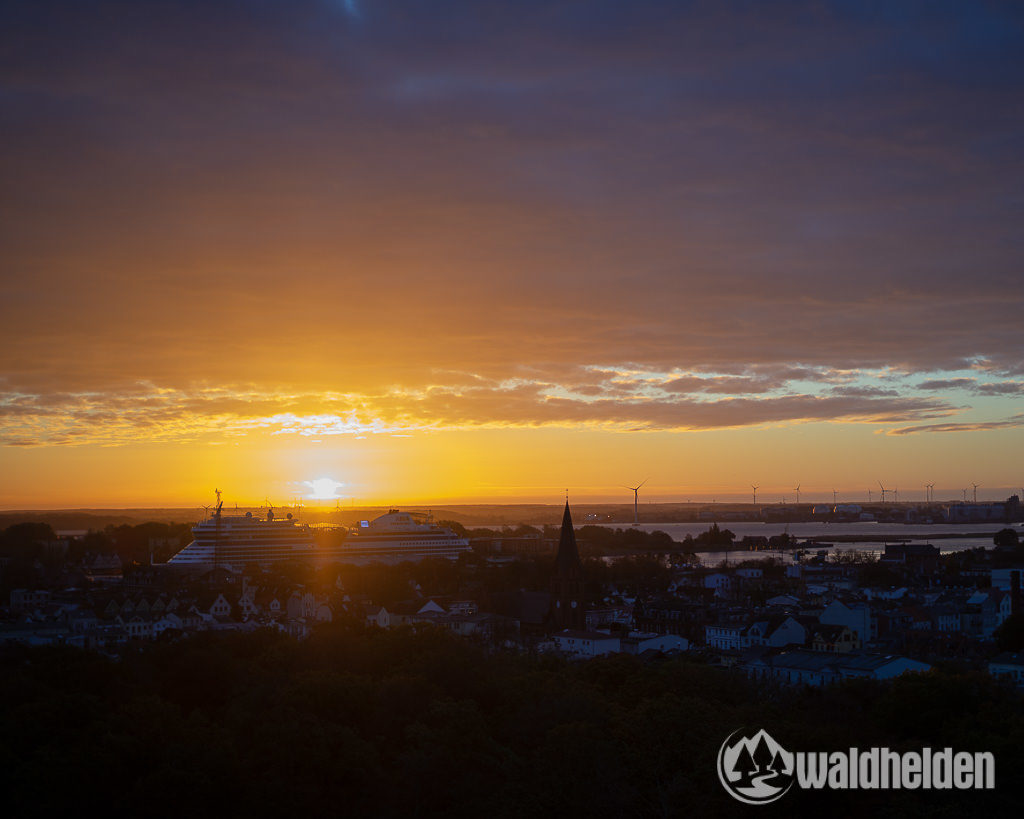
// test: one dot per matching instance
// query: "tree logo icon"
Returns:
(755, 769)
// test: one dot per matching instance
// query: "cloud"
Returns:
(158, 415)
(962, 426)
(947, 384)
(863, 392)
(379, 214)
(1001, 388)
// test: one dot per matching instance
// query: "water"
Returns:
(975, 535)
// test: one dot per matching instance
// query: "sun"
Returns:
(323, 488)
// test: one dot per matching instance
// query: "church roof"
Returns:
(568, 560)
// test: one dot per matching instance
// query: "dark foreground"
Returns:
(358, 723)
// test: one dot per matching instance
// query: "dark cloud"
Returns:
(863, 392)
(964, 426)
(947, 384)
(293, 198)
(1001, 388)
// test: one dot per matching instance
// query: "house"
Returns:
(137, 626)
(946, 617)
(996, 606)
(27, 599)
(168, 620)
(725, 636)
(585, 643)
(720, 582)
(215, 605)
(919, 617)
(603, 616)
(782, 601)
(471, 625)
(377, 616)
(638, 642)
(803, 667)
(857, 616)
(268, 603)
(416, 611)
(1008, 665)
(834, 639)
(878, 666)
(789, 632)
(920, 557)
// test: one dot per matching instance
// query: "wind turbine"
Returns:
(975, 485)
(896, 495)
(755, 488)
(869, 496)
(965, 495)
(636, 500)
(884, 490)
(797, 490)
(835, 495)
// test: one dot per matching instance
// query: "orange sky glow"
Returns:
(492, 262)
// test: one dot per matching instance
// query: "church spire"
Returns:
(567, 583)
(568, 561)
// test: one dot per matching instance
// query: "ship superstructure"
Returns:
(236, 541)
(398, 536)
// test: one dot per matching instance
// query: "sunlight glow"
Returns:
(323, 489)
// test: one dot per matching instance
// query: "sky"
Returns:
(464, 251)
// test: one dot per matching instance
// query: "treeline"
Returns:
(397, 724)
(131, 542)
(592, 540)
(34, 556)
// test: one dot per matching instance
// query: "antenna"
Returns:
(636, 500)
(755, 488)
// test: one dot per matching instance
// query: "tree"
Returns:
(763, 756)
(745, 762)
(1010, 635)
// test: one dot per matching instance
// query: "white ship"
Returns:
(398, 536)
(236, 541)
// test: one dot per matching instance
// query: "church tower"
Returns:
(567, 584)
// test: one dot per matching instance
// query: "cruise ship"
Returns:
(399, 536)
(236, 541)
